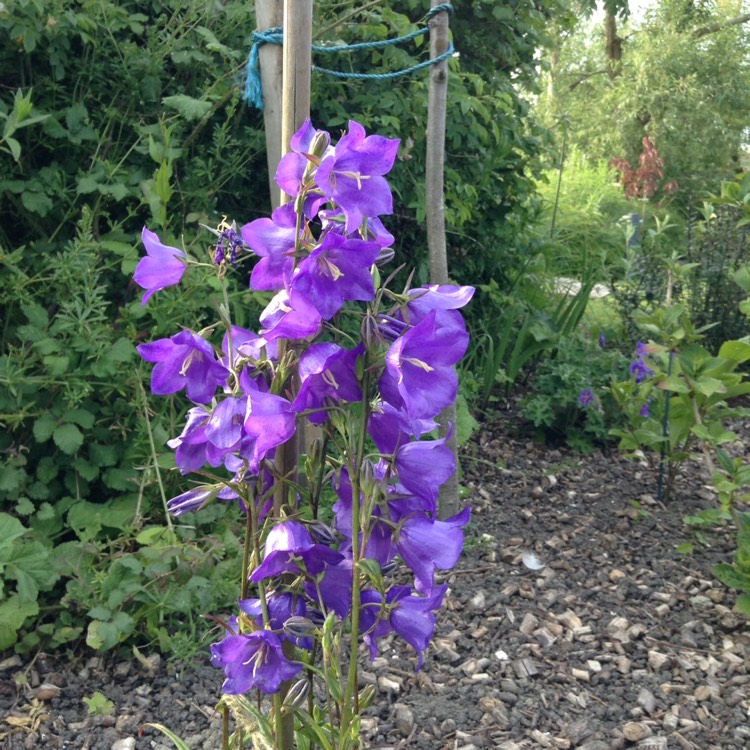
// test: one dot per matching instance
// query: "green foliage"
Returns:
(98, 704)
(688, 89)
(493, 147)
(737, 575)
(518, 327)
(554, 405)
(695, 386)
(579, 226)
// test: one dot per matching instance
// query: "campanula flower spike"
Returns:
(303, 581)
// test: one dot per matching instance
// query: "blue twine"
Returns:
(275, 35)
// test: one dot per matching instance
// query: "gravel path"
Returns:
(572, 622)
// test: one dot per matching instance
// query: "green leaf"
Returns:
(13, 614)
(30, 566)
(68, 438)
(673, 383)
(742, 605)
(178, 743)
(24, 506)
(10, 529)
(81, 417)
(98, 704)
(12, 478)
(35, 314)
(187, 106)
(738, 351)
(730, 576)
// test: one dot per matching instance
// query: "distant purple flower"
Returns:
(184, 361)
(645, 410)
(602, 339)
(253, 660)
(641, 350)
(352, 176)
(163, 266)
(640, 370)
(586, 398)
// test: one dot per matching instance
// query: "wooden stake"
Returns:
(270, 13)
(448, 504)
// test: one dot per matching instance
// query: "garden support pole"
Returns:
(435, 216)
(295, 108)
(270, 13)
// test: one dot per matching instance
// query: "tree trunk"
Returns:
(613, 45)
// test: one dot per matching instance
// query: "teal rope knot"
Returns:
(253, 86)
(275, 35)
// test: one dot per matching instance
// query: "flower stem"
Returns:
(350, 706)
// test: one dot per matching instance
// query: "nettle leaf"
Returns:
(68, 438)
(88, 471)
(31, 568)
(37, 202)
(13, 614)
(81, 417)
(44, 427)
(46, 469)
(187, 106)
(24, 506)
(10, 529)
(12, 478)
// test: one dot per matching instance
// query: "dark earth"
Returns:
(572, 622)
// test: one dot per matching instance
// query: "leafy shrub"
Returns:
(568, 399)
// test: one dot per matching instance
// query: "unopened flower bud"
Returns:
(320, 143)
(299, 627)
(321, 533)
(389, 567)
(386, 255)
(390, 328)
(297, 693)
(366, 696)
(317, 617)
(367, 477)
(370, 332)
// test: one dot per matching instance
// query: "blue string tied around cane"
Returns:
(275, 35)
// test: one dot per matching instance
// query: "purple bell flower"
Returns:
(336, 271)
(253, 660)
(184, 361)
(352, 176)
(163, 265)
(288, 544)
(273, 240)
(419, 373)
(327, 374)
(411, 617)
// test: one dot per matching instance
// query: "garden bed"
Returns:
(572, 622)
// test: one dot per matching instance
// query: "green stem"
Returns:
(351, 696)
(152, 444)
